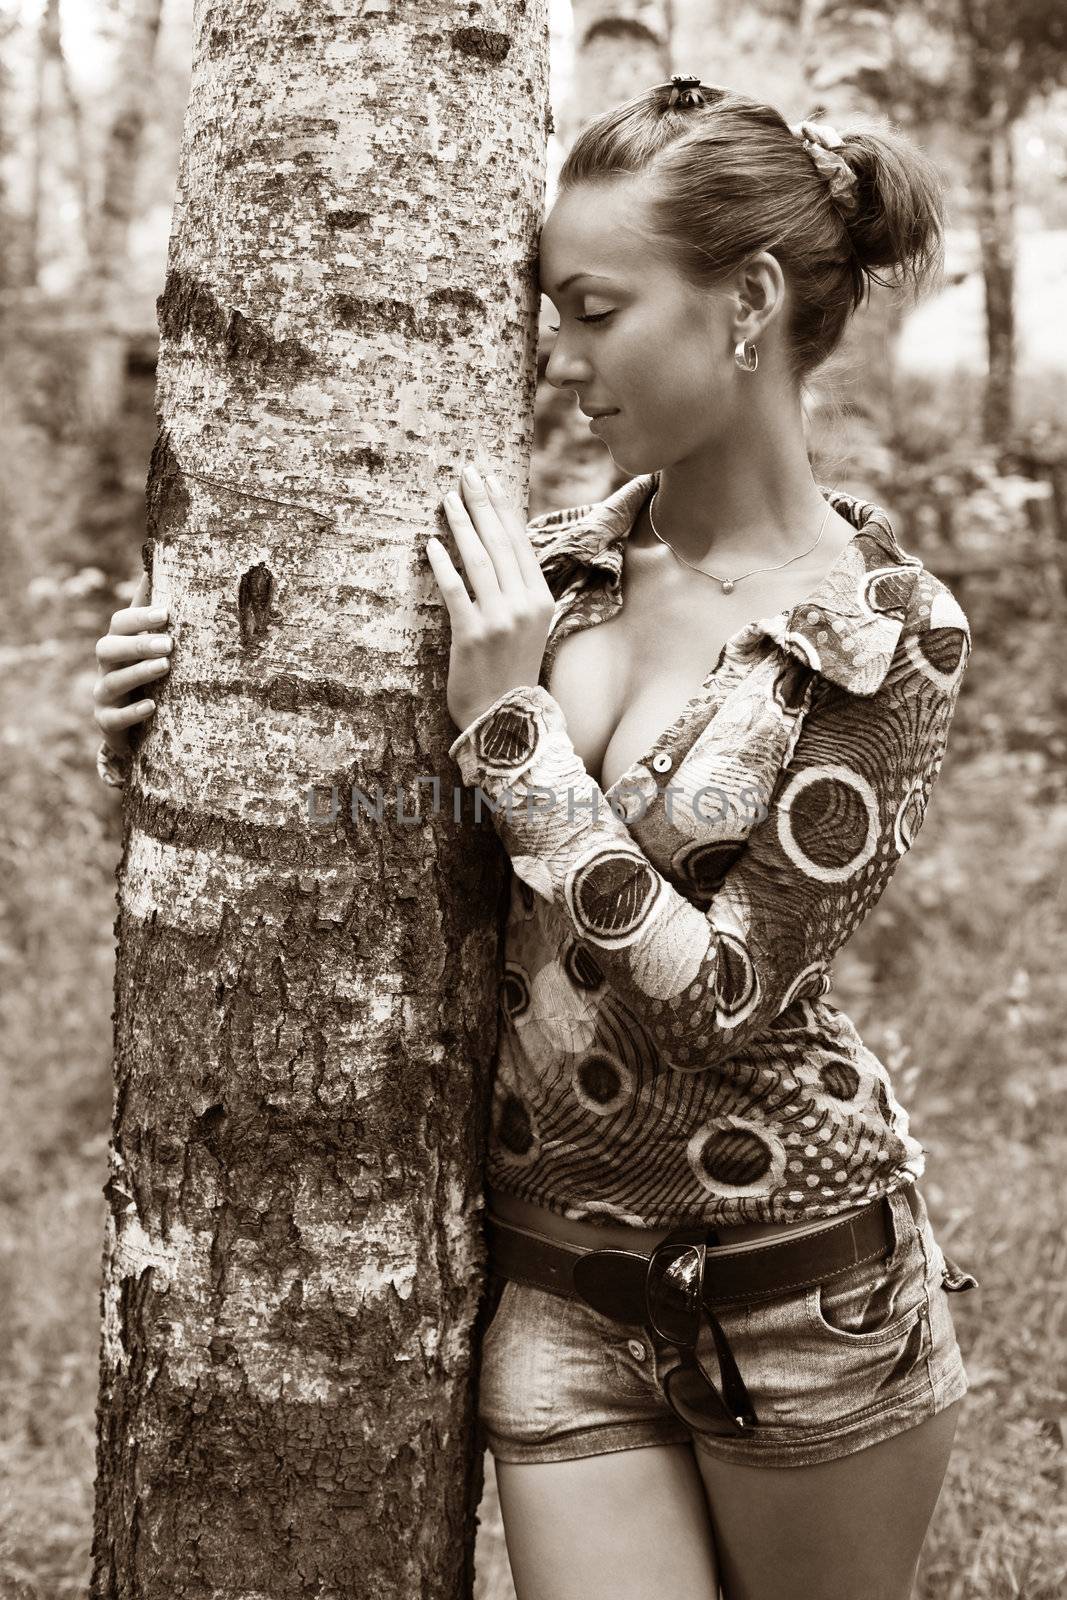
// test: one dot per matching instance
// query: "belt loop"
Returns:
(891, 1202)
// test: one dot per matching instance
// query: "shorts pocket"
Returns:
(879, 1301)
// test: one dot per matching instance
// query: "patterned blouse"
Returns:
(666, 1052)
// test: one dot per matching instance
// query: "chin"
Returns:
(634, 462)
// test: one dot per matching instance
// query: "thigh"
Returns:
(832, 1531)
(628, 1525)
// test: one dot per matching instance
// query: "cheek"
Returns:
(672, 369)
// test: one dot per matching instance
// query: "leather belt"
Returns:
(612, 1281)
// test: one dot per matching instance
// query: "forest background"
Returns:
(967, 449)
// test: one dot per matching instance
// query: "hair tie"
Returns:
(822, 142)
(685, 91)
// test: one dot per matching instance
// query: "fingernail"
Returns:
(471, 476)
(494, 484)
(158, 613)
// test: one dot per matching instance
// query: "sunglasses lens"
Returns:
(696, 1401)
(672, 1291)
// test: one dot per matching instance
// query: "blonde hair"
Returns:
(730, 178)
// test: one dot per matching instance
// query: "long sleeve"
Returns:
(111, 767)
(707, 979)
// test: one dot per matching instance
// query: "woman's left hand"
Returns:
(499, 637)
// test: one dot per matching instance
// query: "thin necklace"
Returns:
(728, 583)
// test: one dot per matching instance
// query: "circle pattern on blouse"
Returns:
(612, 896)
(828, 822)
(508, 739)
(735, 1156)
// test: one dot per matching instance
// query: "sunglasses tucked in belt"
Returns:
(671, 1290)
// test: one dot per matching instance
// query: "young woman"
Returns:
(710, 710)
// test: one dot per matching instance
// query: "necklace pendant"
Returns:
(727, 585)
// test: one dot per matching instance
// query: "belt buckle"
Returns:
(612, 1282)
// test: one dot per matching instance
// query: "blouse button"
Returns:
(636, 1349)
(822, 636)
(662, 762)
(813, 616)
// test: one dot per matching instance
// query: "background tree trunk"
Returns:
(105, 290)
(52, 75)
(993, 189)
(752, 48)
(849, 54)
(304, 1009)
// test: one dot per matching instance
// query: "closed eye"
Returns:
(594, 317)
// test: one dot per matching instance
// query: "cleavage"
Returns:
(625, 681)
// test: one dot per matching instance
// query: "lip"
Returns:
(605, 416)
(599, 411)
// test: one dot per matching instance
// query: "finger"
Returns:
(453, 590)
(488, 560)
(515, 524)
(114, 649)
(111, 719)
(495, 533)
(133, 619)
(109, 689)
(490, 529)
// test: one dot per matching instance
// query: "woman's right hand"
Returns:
(133, 652)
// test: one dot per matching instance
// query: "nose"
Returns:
(562, 369)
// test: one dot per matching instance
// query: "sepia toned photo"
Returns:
(532, 599)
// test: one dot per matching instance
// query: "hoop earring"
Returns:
(746, 355)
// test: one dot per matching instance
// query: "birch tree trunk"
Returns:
(993, 197)
(751, 47)
(106, 288)
(849, 50)
(52, 85)
(305, 1006)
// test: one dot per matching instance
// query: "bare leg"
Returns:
(631, 1525)
(850, 1529)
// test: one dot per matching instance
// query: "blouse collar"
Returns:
(862, 600)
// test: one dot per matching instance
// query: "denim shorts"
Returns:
(830, 1369)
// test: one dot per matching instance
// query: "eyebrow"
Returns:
(567, 281)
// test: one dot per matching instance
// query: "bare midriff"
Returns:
(612, 1235)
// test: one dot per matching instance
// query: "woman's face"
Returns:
(659, 350)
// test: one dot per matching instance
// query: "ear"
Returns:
(760, 286)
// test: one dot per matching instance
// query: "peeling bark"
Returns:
(305, 1018)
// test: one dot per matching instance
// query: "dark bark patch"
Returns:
(364, 458)
(485, 44)
(166, 497)
(188, 306)
(456, 308)
(253, 603)
(375, 316)
(626, 30)
(346, 220)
